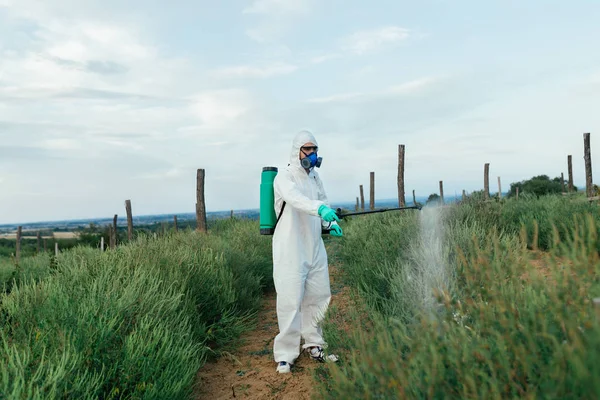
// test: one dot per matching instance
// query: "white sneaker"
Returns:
(317, 353)
(284, 367)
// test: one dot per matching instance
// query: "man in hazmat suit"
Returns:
(300, 269)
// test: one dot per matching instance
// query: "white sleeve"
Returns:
(324, 199)
(285, 186)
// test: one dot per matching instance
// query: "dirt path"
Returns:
(250, 372)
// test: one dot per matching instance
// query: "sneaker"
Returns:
(317, 354)
(284, 367)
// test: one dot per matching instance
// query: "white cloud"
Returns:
(61, 144)
(366, 41)
(410, 87)
(272, 19)
(218, 108)
(169, 173)
(336, 98)
(325, 57)
(248, 71)
(278, 7)
(413, 86)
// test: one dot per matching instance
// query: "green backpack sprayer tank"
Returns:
(268, 219)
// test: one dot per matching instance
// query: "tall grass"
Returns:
(540, 216)
(135, 322)
(495, 328)
(32, 268)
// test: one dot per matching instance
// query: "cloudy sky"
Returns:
(103, 101)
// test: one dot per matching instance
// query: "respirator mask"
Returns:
(311, 160)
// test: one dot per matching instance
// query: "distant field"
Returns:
(55, 235)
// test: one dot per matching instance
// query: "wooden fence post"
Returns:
(486, 181)
(442, 191)
(587, 155)
(39, 242)
(464, 195)
(18, 246)
(570, 172)
(101, 243)
(175, 222)
(499, 189)
(231, 214)
(414, 198)
(129, 219)
(517, 193)
(401, 198)
(56, 248)
(357, 205)
(113, 242)
(372, 194)
(200, 204)
(562, 181)
(362, 198)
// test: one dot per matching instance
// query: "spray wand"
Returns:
(340, 215)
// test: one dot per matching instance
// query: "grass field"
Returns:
(461, 303)
(477, 300)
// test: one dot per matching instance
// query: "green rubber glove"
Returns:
(328, 214)
(336, 230)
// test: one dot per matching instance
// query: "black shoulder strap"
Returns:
(280, 213)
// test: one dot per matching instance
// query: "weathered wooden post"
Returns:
(175, 222)
(464, 195)
(113, 243)
(562, 181)
(357, 205)
(362, 198)
(587, 156)
(200, 204)
(56, 248)
(442, 191)
(570, 172)
(101, 243)
(372, 193)
(231, 214)
(401, 198)
(517, 193)
(39, 242)
(18, 247)
(129, 219)
(486, 181)
(499, 189)
(414, 198)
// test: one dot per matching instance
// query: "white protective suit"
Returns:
(300, 269)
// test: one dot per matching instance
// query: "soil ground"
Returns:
(250, 372)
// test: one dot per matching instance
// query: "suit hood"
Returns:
(300, 139)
